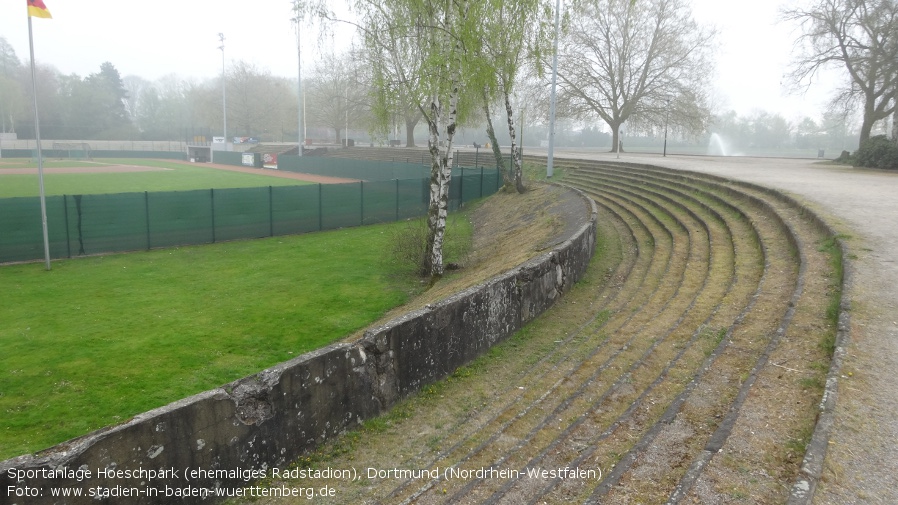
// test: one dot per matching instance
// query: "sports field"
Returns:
(99, 339)
(18, 177)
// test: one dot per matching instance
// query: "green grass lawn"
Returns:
(97, 340)
(177, 177)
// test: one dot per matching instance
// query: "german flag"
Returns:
(37, 9)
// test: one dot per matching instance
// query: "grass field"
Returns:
(97, 340)
(175, 177)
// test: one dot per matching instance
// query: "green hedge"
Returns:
(877, 152)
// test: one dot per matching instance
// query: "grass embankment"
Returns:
(173, 176)
(100, 339)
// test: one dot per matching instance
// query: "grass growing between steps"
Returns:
(833, 249)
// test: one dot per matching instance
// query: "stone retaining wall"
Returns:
(269, 419)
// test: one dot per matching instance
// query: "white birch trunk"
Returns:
(517, 170)
(433, 260)
(440, 178)
(441, 160)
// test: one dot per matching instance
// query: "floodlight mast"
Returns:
(300, 103)
(551, 154)
(666, 120)
(224, 93)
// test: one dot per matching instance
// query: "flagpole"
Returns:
(40, 161)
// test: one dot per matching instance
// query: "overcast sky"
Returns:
(152, 39)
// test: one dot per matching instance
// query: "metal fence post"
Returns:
(481, 182)
(461, 188)
(68, 239)
(146, 207)
(212, 203)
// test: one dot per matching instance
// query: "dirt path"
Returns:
(862, 464)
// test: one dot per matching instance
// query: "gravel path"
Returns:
(862, 462)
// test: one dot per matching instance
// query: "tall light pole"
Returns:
(224, 93)
(552, 101)
(300, 103)
(666, 120)
(346, 139)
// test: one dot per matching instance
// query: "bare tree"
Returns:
(135, 86)
(12, 99)
(634, 61)
(257, 101)
(859, 36)
(337, 95)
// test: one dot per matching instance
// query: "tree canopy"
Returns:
(623, 61)
(858, 36)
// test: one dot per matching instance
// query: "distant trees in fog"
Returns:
(770, 131)
(106, 106)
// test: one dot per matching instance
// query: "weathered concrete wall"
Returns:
(271, 418)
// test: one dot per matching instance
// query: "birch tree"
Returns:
(625, 61)
(448, 35)
(515, 34)
(859, 36)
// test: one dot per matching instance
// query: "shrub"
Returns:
(844, 158)
(877, 152)
(408, 245)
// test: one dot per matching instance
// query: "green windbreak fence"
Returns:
(352, 169)
(412, 167)
(51, 154)
(93, 224)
